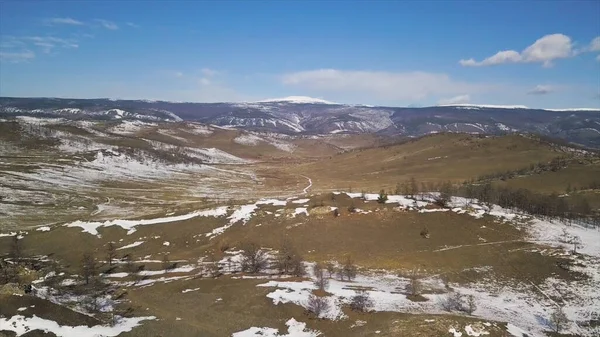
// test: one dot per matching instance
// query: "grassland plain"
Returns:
(518, 274)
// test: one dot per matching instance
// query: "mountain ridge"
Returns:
(305, 115)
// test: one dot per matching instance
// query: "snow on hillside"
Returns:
(130, 127)
(253, 139)
(248, 139)
(480, 106)
(198, 129)
(206, 155)
(23, 325)
(297, 99)
(525, 305)
(295, 329)
(575, 109)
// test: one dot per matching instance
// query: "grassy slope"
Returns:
(382, 239)
(443, 157)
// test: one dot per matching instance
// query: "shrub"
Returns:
(558, 319)
(254, 259)
(361, 301)
(383, 197)
(348, 270)
(317, 305)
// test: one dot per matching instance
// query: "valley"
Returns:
(153, 228)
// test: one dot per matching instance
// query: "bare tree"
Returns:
(414, 188)
(111, 252)
(414, 287)
(129, 266)
(558, 319)
(134, 270)
(211, 269)
(330, 269)
(167, 264)
(361, 301)
(89, 267)
(576, 242)
(317, 305)
(320, 280)
(97, 292)
(289, 261)
(471, 304)
(254, 259)
(453, 302)
(348, 270)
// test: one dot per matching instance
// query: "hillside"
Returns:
(434, 159)
(138, 228)
(305, 115)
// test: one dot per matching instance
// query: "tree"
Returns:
(111, 252)
(361, 301)
(471, 304)
(445, 194)
(330, 269)
(167, 264)
(320, 280)
(348, 270)
(414, 188)
(558, 319)
(576, 242)
(89, 268)
(317, 305)
(453, 302)
(210, 268)
(254, 259)
(383, 197)
(289, 261)
(129, 266)
(98, 290)
(414, 287)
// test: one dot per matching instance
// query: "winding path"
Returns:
(305, 191)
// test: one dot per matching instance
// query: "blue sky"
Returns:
(535, 53)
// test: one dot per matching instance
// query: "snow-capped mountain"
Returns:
(305, 115)
(297, 99)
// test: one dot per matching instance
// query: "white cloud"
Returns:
(47, 43)
(65, 21)
(541, 90)
(131, 24)
(107, 24)
(17, 57)
(595, 44)
(598, 58)
(178, 74)
(46, 46)
(379, 85)
(544, 50)
(460, 99)
(204, 81)
(209, 72)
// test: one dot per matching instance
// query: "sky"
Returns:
(542, 54)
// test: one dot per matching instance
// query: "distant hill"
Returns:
(305, 115)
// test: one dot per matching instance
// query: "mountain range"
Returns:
(305, 115)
